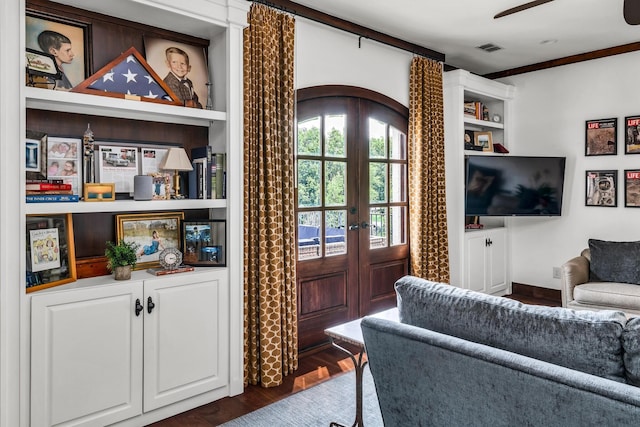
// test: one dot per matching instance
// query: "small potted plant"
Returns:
(122, 258)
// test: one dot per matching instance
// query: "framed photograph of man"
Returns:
(183, 67)
(602, 188)
(601, 137)
(68, 41)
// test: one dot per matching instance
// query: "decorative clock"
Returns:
(170, 258)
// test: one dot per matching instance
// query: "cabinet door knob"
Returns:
(139, 307)
(150, 305)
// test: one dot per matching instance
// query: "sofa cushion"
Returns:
(583, 340)
(614, 261)
(631, 345)
(608, 294)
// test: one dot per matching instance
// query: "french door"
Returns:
(352, 207)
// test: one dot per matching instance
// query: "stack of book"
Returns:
(49, 191)
(476, 110)
(208, 178)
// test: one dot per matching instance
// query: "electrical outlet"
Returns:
(556, 272)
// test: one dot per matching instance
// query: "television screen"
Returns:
(514, 186)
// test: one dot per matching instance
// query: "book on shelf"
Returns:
(52, 198)
(31, 192)
(198, 179)
(46, 186)
(45, 181)
(159, 271)
(215, 173)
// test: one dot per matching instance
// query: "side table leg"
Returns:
(359, 365)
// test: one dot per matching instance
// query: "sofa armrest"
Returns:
(574, 272)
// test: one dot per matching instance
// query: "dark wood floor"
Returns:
(314, 368)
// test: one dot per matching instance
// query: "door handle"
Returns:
(150, 305)
(364, 224)
(139, 307)
(353, 226)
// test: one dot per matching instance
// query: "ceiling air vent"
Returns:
(489, 47)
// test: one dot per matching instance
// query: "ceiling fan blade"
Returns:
(521, 8)
(631, 12)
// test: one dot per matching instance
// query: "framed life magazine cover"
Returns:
(50, 251)
(601, 188)
(601, 137)
(632, 188)
(632, 135)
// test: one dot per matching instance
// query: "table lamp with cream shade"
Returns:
(176, 160)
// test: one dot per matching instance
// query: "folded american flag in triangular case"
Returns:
(128, 76)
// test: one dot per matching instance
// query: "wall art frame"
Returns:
(632, 134)
(601, 137)
(601, 188)
(632, 188)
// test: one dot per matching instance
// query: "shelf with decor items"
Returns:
(197, 311)
(460, 87)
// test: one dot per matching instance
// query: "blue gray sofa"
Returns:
(461, 358)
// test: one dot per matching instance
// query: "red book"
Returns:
(45, 186)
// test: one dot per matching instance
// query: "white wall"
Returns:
(327, 56)
(551, 107)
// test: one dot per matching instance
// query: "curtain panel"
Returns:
(427, 192)
(270, 314)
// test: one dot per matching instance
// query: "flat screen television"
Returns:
(513, 185)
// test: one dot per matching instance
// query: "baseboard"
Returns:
(536, 292)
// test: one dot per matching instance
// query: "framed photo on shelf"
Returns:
(99, 192)
(117, 164)
(42, 69)
(50, 254)
(601, 137)
(632, 135)
(601, 188)
(165, 56)
(161, 186)
(204, 242)
(152, 232)
(64, 161)
(151, 159)
(72, 59)
(36, 155)
(484, 140)
(632, 188)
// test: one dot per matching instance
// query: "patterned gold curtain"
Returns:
(270, 315)
(427, 192)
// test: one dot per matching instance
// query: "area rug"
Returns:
(331, 401)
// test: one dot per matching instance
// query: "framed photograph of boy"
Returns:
(632, 135)
(182, 66)
(632, 188)
(602, 188)
(601, 137)
(67, 41)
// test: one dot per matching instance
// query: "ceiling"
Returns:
(457, 27)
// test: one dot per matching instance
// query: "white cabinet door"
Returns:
(496, 261)
(475, 261)
(486, 261)
(86, 356)
(185, 337)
